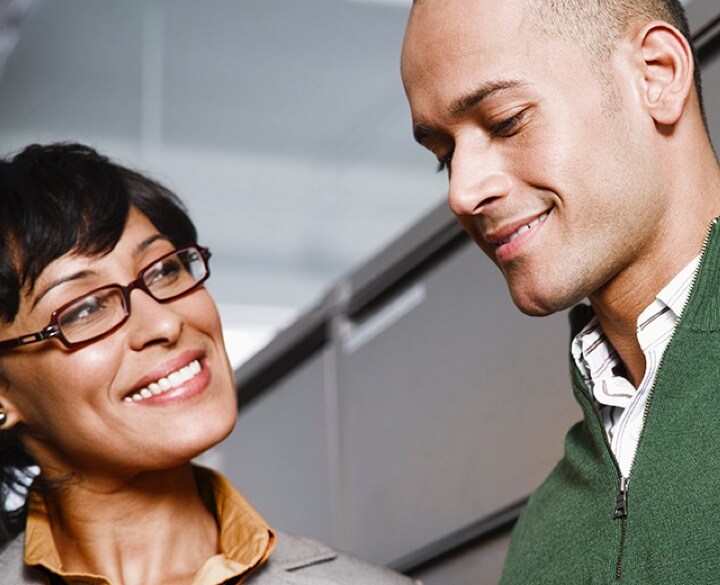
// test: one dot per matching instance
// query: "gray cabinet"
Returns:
(455, 409)
(278, 457)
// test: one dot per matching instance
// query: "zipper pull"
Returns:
(621, 505)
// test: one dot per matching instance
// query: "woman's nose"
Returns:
(152, 322)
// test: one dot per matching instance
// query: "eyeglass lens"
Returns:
(98, 313)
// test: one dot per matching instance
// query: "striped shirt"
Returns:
(622, 406)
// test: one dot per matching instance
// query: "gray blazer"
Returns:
(296, 561)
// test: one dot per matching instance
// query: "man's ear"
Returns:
(668, 71)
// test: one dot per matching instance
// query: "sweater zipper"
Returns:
(620, 511)
(621, 503)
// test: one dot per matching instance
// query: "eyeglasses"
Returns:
(104, 310)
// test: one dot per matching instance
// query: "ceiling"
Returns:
(282, 123)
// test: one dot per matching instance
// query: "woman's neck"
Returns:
(153, 529)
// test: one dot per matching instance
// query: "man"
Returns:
(579, 162)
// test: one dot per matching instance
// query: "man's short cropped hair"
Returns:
(597, 25)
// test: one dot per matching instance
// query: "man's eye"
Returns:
(509, 126)
(444, 163)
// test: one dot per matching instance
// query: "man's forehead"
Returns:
(455, 23)
(454, 59)
(461, 38)
(469, 7)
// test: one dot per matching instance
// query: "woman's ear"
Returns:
(668, 71)
(9, 414)
(8, 418)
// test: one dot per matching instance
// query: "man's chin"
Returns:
(539, 305)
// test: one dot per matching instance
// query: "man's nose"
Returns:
(477, 179)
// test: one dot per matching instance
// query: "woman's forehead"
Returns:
(138, 238)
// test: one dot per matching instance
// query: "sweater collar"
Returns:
(703, 307)
(703, 304)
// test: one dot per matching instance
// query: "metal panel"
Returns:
(452, 406)
(711, 84)
(478, 565)
(700, 13)
(278, 453)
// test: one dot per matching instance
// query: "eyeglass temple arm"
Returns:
(47, 333)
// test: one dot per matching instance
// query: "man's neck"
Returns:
(618, 309)
(625, 342)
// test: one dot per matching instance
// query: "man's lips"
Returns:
(511, 232)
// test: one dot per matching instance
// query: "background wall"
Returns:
(282, 123)
(396, 414)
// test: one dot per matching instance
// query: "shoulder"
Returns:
(12, 565)
(298, 561)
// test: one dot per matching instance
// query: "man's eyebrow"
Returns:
(469, 101)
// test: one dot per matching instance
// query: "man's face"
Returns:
(548, 161)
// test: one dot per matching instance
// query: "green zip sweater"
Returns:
(580, 527)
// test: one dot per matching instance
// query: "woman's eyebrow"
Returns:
(141, 247)
(145, 244)
(62, 280)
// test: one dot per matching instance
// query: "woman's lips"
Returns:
(174, 379)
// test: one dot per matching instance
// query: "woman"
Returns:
(113, 376)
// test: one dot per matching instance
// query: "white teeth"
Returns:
(522, 229)
(172, 380)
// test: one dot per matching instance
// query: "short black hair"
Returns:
(66, 197)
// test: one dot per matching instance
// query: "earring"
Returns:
(3, 418)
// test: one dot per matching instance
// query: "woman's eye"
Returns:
(162, 271)
(84, 311)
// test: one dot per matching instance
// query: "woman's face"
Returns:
(77, 408)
